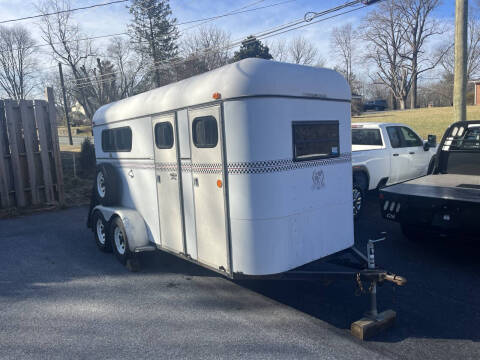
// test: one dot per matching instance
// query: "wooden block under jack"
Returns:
(367, 328)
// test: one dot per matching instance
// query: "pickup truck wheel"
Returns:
(413, 233)
(358, 197)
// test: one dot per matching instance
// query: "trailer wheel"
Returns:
(358, 200)
(119, 240)
(413, 233)
(106, 185)
(100, 231)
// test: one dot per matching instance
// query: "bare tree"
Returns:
(17, 62)
(342, 43)
(279, 50)
(418, 26)
(129, 65)
(209, 45)
(473, 49)
(384, 34)
(302, 51)
(65, 41)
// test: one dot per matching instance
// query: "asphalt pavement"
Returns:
(62, 298)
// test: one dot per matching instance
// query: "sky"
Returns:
(114, 18)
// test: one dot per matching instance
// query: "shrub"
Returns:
(87, 157)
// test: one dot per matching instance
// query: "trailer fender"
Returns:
(134, 226)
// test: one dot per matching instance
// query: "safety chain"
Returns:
(360, 289)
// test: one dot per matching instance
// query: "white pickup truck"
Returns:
(385, 154)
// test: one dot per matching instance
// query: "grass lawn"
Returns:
(424, 121)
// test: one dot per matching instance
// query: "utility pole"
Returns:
(65, 105)
(67, 116)
(460, 82)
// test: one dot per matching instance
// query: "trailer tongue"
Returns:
(350, 264)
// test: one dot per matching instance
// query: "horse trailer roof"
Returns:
(245, 78)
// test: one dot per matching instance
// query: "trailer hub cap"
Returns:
(101, 231)
(119, 240)
(101, 184)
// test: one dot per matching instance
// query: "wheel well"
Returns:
(361, 178)
(382, 183)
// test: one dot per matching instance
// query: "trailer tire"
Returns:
(358, 195)
(100, 231)
(413, 233)
(119, 241)
(107, 185)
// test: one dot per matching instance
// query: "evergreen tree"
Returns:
(154, 32)
(252, 48)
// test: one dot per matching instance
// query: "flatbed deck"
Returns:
(441, 186)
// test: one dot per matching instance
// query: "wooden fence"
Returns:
(30, 164)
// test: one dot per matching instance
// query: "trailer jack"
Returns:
(374, 322)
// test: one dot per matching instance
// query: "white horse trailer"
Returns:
(245, 169)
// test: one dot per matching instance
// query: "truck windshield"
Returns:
(366, 137)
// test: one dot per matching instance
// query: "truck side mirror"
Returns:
(426, 146)
(432, 140)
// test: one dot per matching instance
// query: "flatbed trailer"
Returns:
(448, 201)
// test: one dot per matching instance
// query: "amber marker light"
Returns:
(219, 183)
(216, 95)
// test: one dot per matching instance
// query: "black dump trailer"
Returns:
(447, 202)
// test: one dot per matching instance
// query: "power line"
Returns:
(235, 12)
(63, 11)
(263, 35)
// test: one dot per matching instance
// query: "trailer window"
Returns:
(164, 135)
(205, 132)
(366, 137)
(315, 140)
(117, 140)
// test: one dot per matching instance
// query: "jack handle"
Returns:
(396, 279)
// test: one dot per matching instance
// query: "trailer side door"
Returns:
(208, 184)
(168, 179)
